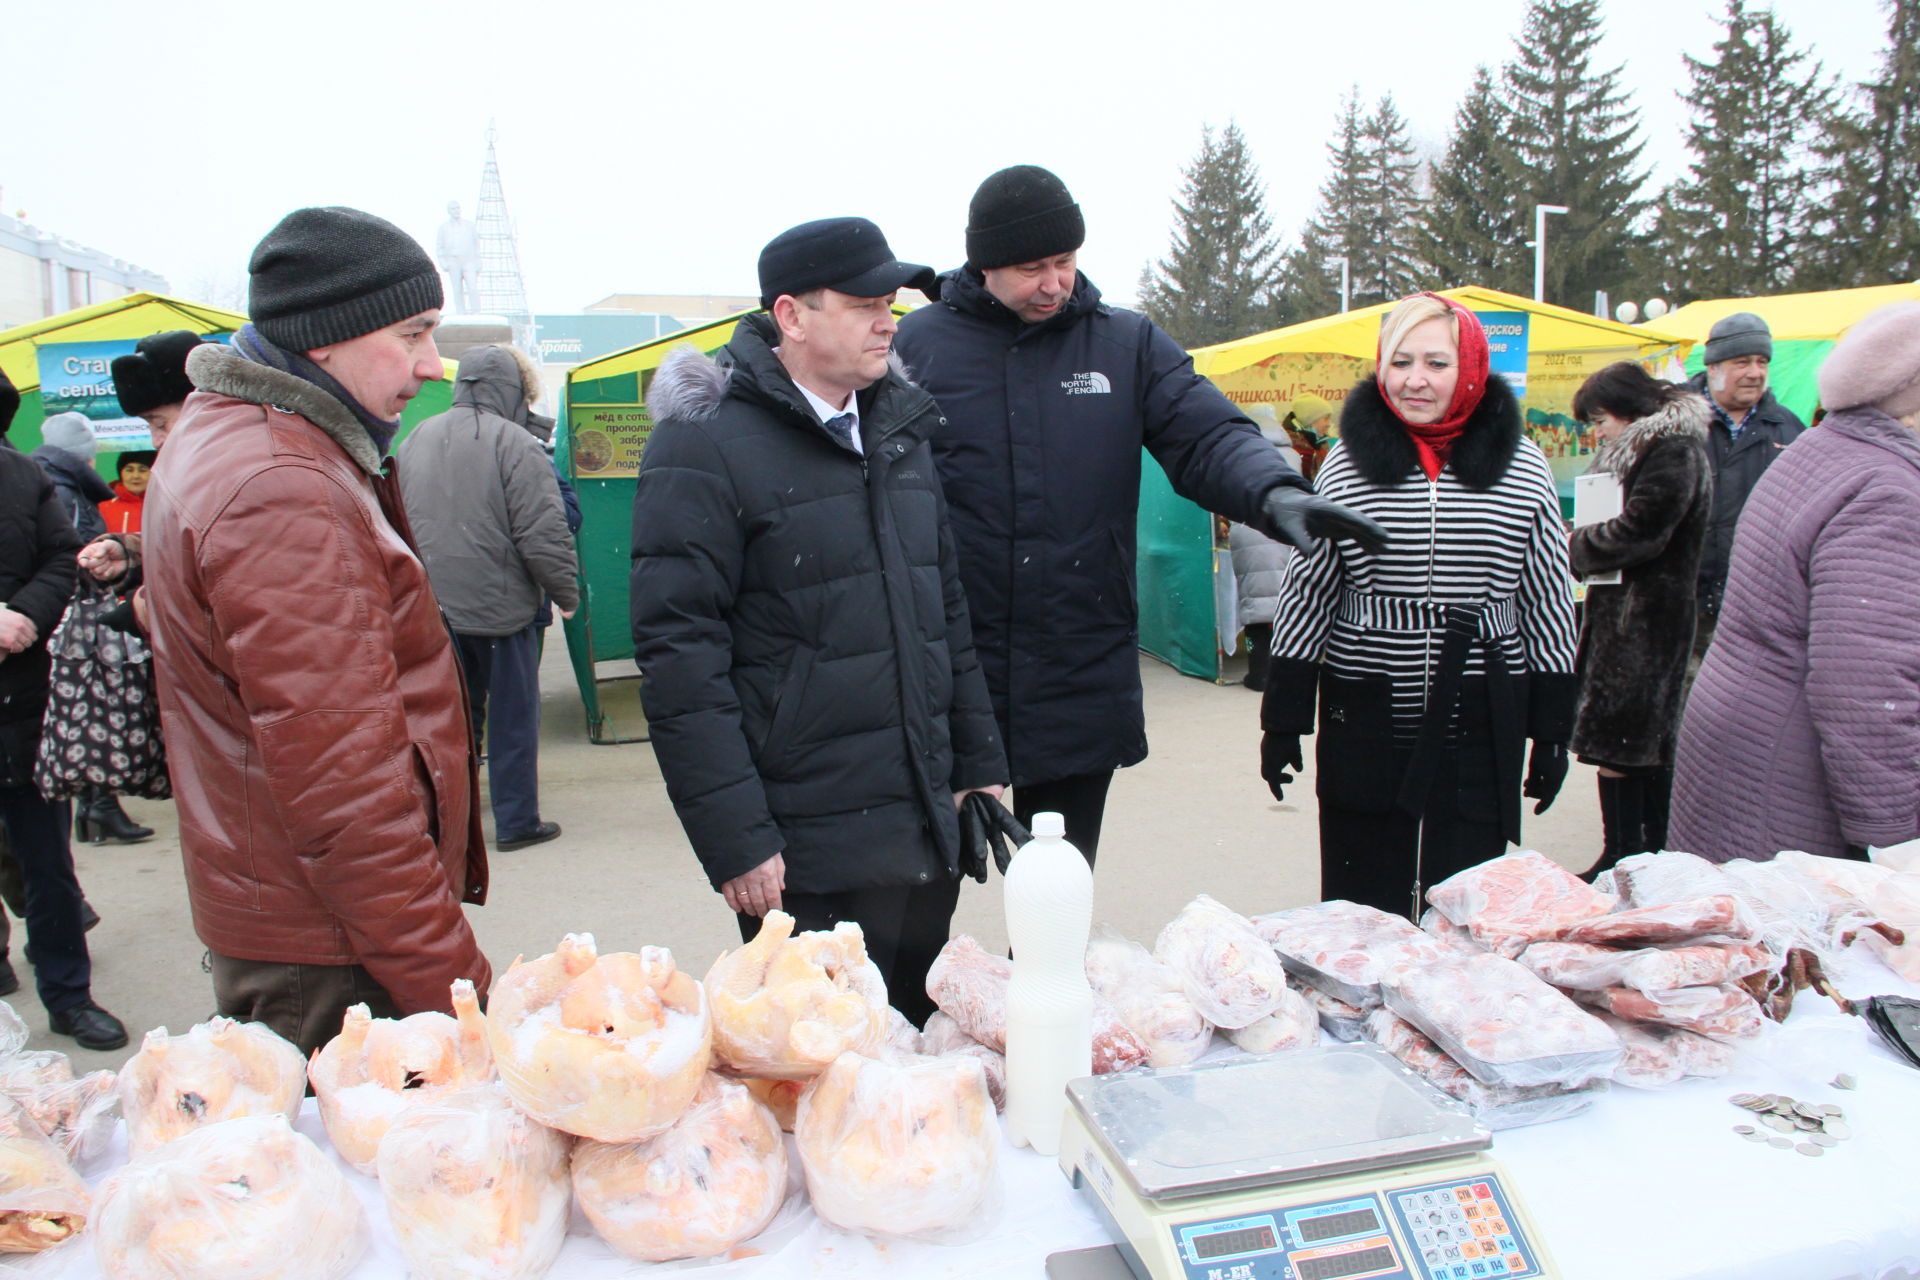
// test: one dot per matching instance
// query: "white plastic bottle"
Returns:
(1049, 900)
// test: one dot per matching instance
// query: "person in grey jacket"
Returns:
(66, 454)
(486, 510)
(1800, 732)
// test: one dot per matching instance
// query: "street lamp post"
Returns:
(1345, 293)
(1540, 212)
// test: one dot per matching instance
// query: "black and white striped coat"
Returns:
(1487, 532)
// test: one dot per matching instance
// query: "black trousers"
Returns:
(56, 941)
(302, 1003)
(905, 927)
(1080, 800)
(1633, 816)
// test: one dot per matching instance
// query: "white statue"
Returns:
(457, 247)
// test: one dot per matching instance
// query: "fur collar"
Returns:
(216, 367)
(1686, 415)
(690, 384)
(1383, 452)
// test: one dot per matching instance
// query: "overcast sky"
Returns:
(650, 147)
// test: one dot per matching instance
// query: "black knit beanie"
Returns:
(1022, 214)
(9, 402)
(326, 275)
(156, 373)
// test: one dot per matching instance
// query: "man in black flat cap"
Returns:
(811, 686)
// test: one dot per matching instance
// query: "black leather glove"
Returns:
(974, 845)
(1546, 770)
(987, 829)
(1299, 517)
(1280, 760)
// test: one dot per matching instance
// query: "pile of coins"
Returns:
(1808, 1127)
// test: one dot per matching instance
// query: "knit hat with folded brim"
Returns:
(1740, 334)
(1876, 363)
(329, 275)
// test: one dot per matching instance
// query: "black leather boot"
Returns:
(99, 818)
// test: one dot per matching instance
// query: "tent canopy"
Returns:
(1791, 316)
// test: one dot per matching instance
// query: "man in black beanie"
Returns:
(1049, 395)
(316, 732)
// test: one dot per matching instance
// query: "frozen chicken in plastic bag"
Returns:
(78, 1114)
(1343, 1021)
(943, 1038)
(1345, 948)
(1896, 900)
(1657, 1055)
(43, 1202)
(475, 1189)
(245, 1199)
(1517, 898)
(610, 1047)
(1149, 997)
(1718, 918)
(219, 1070)
(713, 1180)
(1585, 966)
(786, 1004)
(1229, 971)
(970, 986)
(376, 1069)
(1294, 1025)
(1726, 1010)
(1506, 1026)
(905, 1149)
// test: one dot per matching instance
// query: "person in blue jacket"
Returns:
(1047, 396)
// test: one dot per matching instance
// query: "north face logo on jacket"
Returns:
(1087, 384)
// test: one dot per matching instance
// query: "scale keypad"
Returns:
(1463, 1230)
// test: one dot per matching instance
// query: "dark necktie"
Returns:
(841, 428)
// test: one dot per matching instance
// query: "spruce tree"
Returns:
(1865, 227)
(1731, 226)
(1573, 136)
(1309, 284)
(1472, 230)
(1217, 281)
(1388, 209)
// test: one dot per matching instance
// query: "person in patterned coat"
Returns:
(1441, 654)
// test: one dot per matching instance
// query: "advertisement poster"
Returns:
(77, 377)
(606, 440)
(1279, 378)
(1507, 346)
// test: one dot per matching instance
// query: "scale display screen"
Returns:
(1331, 1226)
(1223, 1243)
(1363, 1263)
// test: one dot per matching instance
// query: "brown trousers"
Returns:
(304, 1003)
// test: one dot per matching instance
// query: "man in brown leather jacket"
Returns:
(316, 729)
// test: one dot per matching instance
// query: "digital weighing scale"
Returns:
(1335, 1163)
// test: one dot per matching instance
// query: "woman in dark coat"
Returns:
(1437, 657)
(1638, 632)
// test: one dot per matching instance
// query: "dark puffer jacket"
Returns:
(810, 679)
(1039, 450)
(37, 549)
(80, 488)
(1737, 466)
(1638, 632)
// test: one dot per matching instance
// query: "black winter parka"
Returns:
(1039, 451)
(37, 573)
(810, 679)
(1737, 466)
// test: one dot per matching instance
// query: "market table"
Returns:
(1649, 1184)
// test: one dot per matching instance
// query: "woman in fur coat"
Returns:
(1434, 659)
(1638, 632)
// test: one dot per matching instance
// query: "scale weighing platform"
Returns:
(1335, 1163)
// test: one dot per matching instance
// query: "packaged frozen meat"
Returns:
(1342, 1021)
(219, 1070)
(1657, 1055)
(1503, 1024)
(475, 1188)
(902, 1035)
(1651, 879)
(378, 1068)
(1726, 1010)
(13, 1032)
(43, 1202)
(1585, 966)
(787, 1004)
(1517, 898)
(715, 1178)
(1449, 934)
(244, 1199)
(77, 1114)
(1719, 918)
(970, 986)
(1494, 1106)
(1896, 900)
(1232, 974)
(1294, 1025)
(610, 1047)
(781, 1097)
(1149, 997)
(1345, 948)
(943, 1038)
(903, 1148)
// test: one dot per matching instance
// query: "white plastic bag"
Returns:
(43, 1202)
(1346, 948)
(1294, 1025)
(1149, 997)
(1230, 972)
(219, 1070)
(77, 1114)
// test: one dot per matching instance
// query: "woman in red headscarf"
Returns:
(1434, 660)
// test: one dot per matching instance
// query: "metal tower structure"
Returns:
(500, 288)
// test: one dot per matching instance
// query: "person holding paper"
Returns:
(1639, 627)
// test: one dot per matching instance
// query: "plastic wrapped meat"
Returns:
(1229, 971)
(1503, 1024)
(1727, 1011)
(245, 1199)
(902, 1035)
(42, 1200)
(1345, 948)
(1495, 1106)
(786, 1005)
(378, 1068)
(219, 1070)
(1516, 899)
(1657, 1056)
(970, 987)
(1716, 918)
(781, 1097)
(906, 1149)
(1651, 879)
(1584, 966)
(943, 1038)
(1149, 998)
(714, 1179)
(1294, 1025)
(1445, 931)
(77, 1114)
(610, 1047)
(1896, 900)
(1342, 1021)
(475, 1189)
